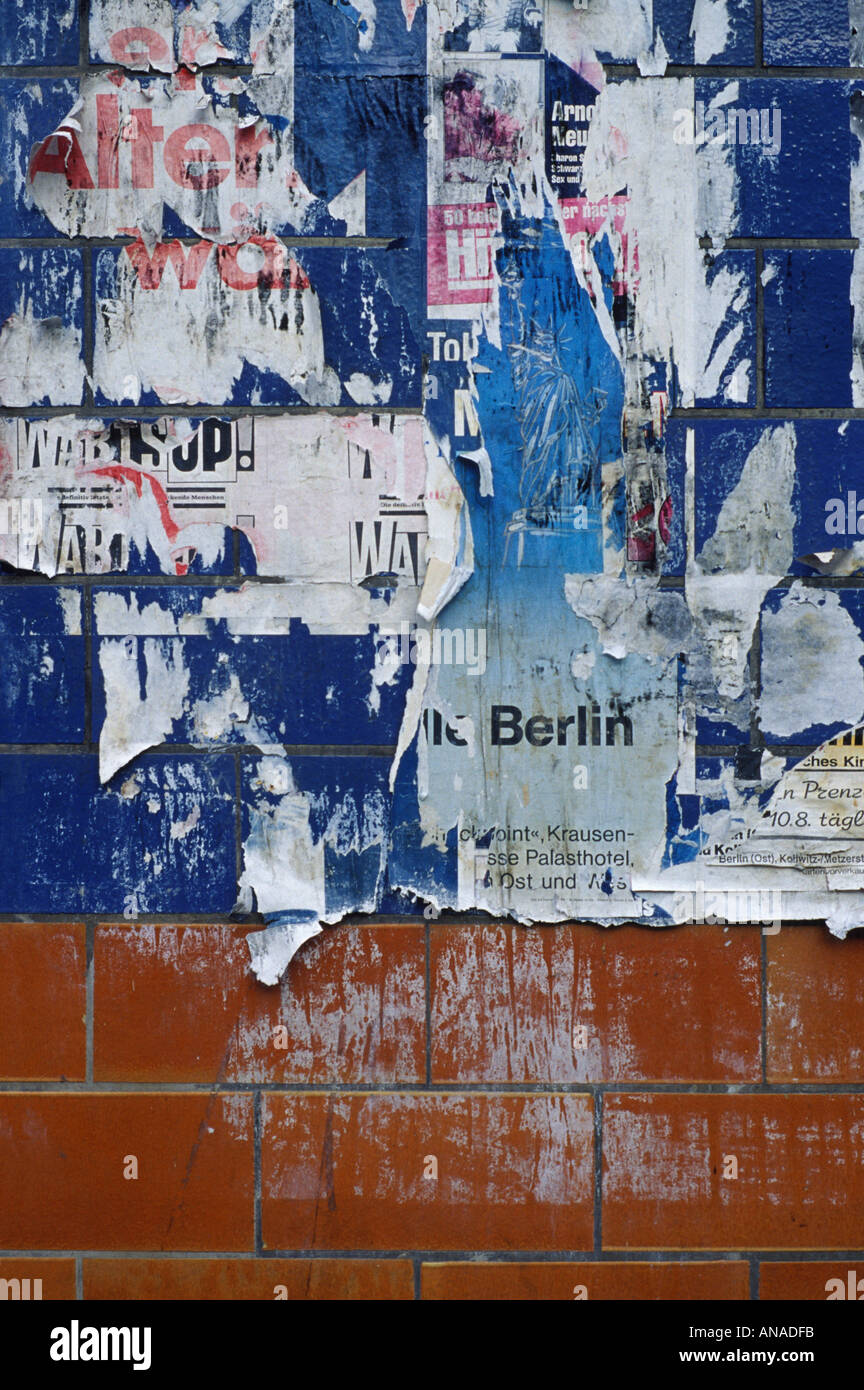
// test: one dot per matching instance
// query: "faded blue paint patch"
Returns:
(28, 112)
(808, 328)
(71, 845)
(42, 693)
(548, 410)
(35, 34)
(301, 688)
(800, 188)
(349, 811)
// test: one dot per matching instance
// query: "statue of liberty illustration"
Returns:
(560, 482)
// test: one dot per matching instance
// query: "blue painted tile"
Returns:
(741, 365)
(798, 34)
(510, 26)
(828, 464)
(301, 688)
(42, 689)
(797, 664)
(28, 112)
(329, 35)
(721, 448)
(92, 538)
(827, 498)
(808, 328)
(675, 439)
(714, 729)
(343, 126)
(791, 146)
(35, 34)
(346, 125)
(673, 19)
(417, 864)
(71, 845)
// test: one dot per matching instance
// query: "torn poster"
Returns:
(624, 588)
(457, 607)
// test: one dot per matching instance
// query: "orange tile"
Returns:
(63, 1159)
(813, 1281)
(319, 1280)
(37, 1280)
(815, 1006)
(580, 1003)
(721, 1279)
(179, 1003)
(42, 1002)
(799, 1171)
(346, 1172)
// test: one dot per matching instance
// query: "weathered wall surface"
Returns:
(428, 468)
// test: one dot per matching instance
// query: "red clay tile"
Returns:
(179, 1003)
(815, 1006)
(580, 1003)
(35, 1280)
(63, 1159)
(814, 1281)
(346, 1172)
(721, 1279)
(235, 1280)
(42, 1002)
(799, 1171)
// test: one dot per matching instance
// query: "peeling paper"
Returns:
(812, 828)
(159, 35)
(132, 149)
(681, 317)
(596, 668)
(630, 616)
(27, 344)
(750, 551)
(805, 643)
(272, 950)
(856, 228)
(709, 29)
(283, 863)
(165, 496)
(280, 332)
